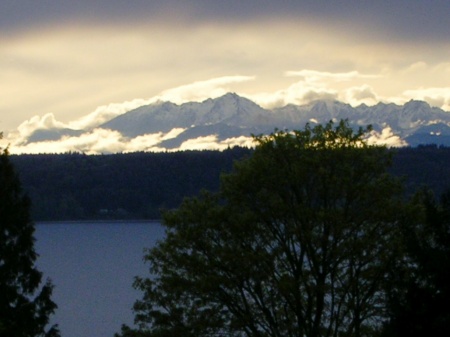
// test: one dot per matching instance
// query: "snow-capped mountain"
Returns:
(232, 116)
(230, 110)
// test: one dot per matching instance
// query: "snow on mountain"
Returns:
(232, 117)
(158, 117)
(230, 110)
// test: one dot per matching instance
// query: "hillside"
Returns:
(137, 185)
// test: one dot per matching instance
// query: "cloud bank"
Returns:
(71, 66)
(309, 85)
(103, 141)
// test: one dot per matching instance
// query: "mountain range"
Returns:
(232, 116)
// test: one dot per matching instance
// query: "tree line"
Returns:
(120, 186)
(75, 186)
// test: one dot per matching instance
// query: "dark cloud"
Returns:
(399, 18)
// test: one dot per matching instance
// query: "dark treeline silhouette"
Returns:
(75, 186)
(423, 166)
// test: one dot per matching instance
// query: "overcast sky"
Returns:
(68, 61)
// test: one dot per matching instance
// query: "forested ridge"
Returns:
(120, 186)
(76, 186)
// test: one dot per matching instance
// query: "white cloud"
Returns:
(173, 133)
(95, 142)
(416, 66)
(143, 143)
(238, 141)
(27, 128)
(200, 143)
(320, 76)
(211, 142)
(364, 94)
(69, 69)
(419, 81)
(101, 141)
(321, 85)
(45, 122)
(386, 137)
(202, 90)
(149, 142)
(349, 87)
(301, 92)
(105, 113)
(438, 97)
(196, 91)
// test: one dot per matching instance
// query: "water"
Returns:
(92, 266)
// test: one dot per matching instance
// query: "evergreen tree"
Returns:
(419, 292)
(25, 305)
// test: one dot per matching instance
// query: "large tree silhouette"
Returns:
(297, 243)
(25, 304)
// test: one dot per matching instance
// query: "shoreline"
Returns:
(96, 221)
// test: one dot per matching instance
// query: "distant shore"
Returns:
(96, 221)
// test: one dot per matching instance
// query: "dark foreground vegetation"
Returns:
(120, 186)
(310, 234)
(25, 300)
(138, 185)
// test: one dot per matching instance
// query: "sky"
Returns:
(77, 63)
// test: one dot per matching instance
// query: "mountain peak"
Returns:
(233, 97)
(416, 105)
(231, 118)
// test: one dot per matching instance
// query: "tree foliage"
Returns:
(293, 245)
(25, 306)
(419, 292)
(297, 243)
(73, 186)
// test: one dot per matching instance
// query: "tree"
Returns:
(420, 293)
(297, 243)
(21, 314)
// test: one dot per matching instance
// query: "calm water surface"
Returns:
(92, 266)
